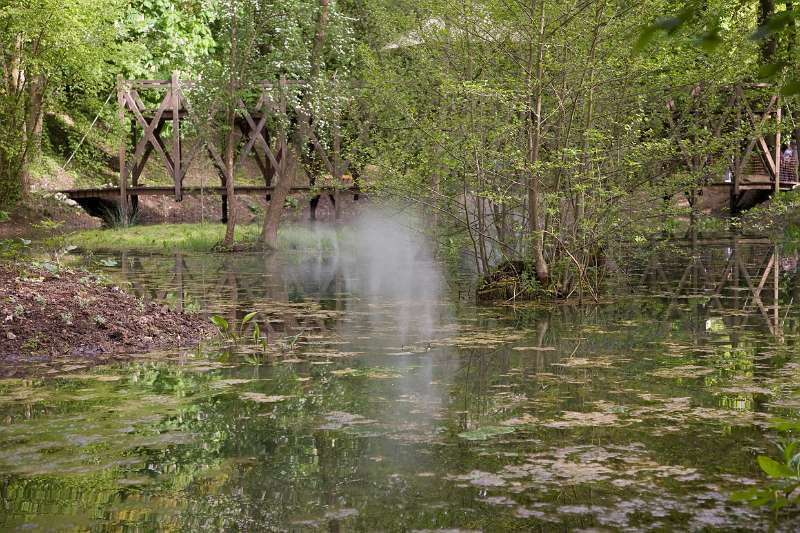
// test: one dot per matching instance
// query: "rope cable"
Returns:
(86, 133)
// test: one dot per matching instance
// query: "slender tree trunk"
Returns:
(33, 129)
(319, 38)
(766, 8)
(272, 220)
(534, 146)
(230, 123)
(269, 234)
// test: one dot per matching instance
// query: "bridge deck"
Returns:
(113, 193)
(758, 186)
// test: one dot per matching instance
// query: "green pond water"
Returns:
(388, 403)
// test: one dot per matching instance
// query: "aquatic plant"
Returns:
(782, 488)
(228, 331)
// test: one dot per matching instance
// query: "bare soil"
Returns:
(46, 316)
(24, 218)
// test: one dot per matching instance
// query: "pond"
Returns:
(394, 405)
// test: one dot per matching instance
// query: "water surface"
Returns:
(389, 405)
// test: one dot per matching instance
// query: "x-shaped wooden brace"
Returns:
(203, 141)
(307, 130)
(255, 132)
(150, 138)
(758, 138)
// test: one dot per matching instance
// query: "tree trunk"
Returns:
(766, 8)
(33, 129)
(230, 123)
(272, 220)
(229, 181)
(269, 234)
(319, 38)
(534, 146)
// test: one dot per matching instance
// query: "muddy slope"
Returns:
(72, 313)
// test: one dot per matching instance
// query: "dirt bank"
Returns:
(26, 218)
(47, 316)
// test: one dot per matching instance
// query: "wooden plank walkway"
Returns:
(113, 193)
(758, 186)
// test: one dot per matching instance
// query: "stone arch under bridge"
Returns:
(167, 127)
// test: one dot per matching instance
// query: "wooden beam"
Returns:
(759, 124)
(778, 149)
(167, 190)
(148, 130)
(175, 94)
(123, 174)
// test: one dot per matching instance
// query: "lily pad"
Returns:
(486, 432)
(263, 398)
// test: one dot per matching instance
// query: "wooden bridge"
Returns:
(751, 171)
(263, 123)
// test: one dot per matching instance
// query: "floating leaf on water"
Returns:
(340, 514)
(745, 389)
(340, 419)
(263, 398)
(684, 371)
(107, 378)
(229, 382)
(534, 348)
(574, 419)
(374, 373)
(486, 432)
(583, 362)
(482, 479)
(498, 500)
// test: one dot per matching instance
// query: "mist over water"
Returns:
(395, 269)
(387, 268)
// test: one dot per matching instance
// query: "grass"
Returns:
(195, 238)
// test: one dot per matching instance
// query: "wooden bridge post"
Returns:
(175, 93)
(734, 190)
(778, 147)
(282, 138)
(337, 167)
(123, 172)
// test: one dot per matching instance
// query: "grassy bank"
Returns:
(195, 238)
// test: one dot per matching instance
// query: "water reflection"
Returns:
(736, 280)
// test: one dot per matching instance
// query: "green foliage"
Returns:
(711, 28)
(14, 249)
(54, 53)
(781, 488)
(167, 34)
